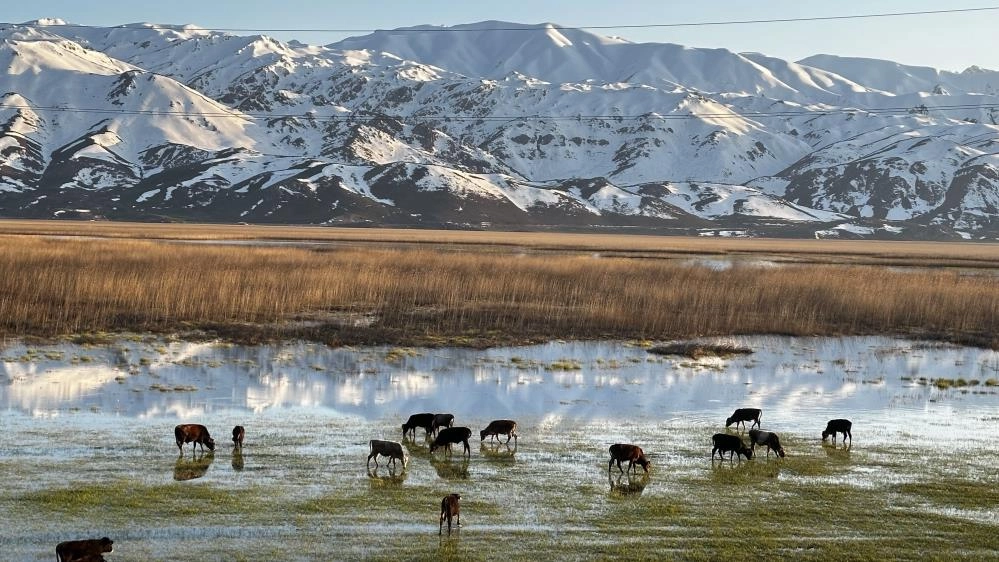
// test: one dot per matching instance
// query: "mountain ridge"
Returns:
(526, 128)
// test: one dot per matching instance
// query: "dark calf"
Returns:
(78, 551)
(426, 421)
(731, 444)
(743, 415)
(389, 449)
(625, 452)
(766, 438)
(193, 433)
(500, 427)
(237, 436)
(450, 435)
(838, 426)
(442, 420)
(450, 508)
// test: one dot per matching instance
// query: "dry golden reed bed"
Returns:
(51, 287)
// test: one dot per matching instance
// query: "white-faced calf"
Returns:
(389, 449)
(627, 452)
(450, 508)
(500, 427)
(450, 435)
(838, 426)
(731, 444)
(743, 415)
(768, 439)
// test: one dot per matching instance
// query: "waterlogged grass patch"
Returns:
(944, 383)
(414, 503)
(134, 500)
(399, 353)
(693, 350)
(963, 494)
(564, 365)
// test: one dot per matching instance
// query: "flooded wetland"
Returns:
(88, 450)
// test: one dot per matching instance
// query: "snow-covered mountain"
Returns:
(489, 125)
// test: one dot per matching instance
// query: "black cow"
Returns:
(87, 549)
(838, 426)
(238, 433)
(743, 415)
(442, 420)
(426, 421)
(768, 439)
(731, 444)
(450, 435)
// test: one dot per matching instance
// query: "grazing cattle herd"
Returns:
(440, 428)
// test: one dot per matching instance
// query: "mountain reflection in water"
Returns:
(562, 380)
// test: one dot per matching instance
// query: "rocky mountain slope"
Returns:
(491, 125)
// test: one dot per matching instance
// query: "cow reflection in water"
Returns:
(195, 467)
(728, 472)
(389, 477)
(627, 485)
(836, 452)
(237, 458)
(450, 470)
(498, 451)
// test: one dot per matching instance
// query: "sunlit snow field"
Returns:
(87, 450)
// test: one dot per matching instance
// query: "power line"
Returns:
(347, 118)
(520, 28)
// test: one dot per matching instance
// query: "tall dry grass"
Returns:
(52, 287)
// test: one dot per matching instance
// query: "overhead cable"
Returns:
(450, 29)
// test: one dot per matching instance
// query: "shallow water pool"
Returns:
(88, 447)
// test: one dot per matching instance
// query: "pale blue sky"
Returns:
(946, 41)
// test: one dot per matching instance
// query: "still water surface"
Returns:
(103, 416)
(792, 379)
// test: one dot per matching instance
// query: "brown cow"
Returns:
(83, 550)
(450, 507)
(500, 427)
(193, 433)
(631, 453)
(237, 436)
